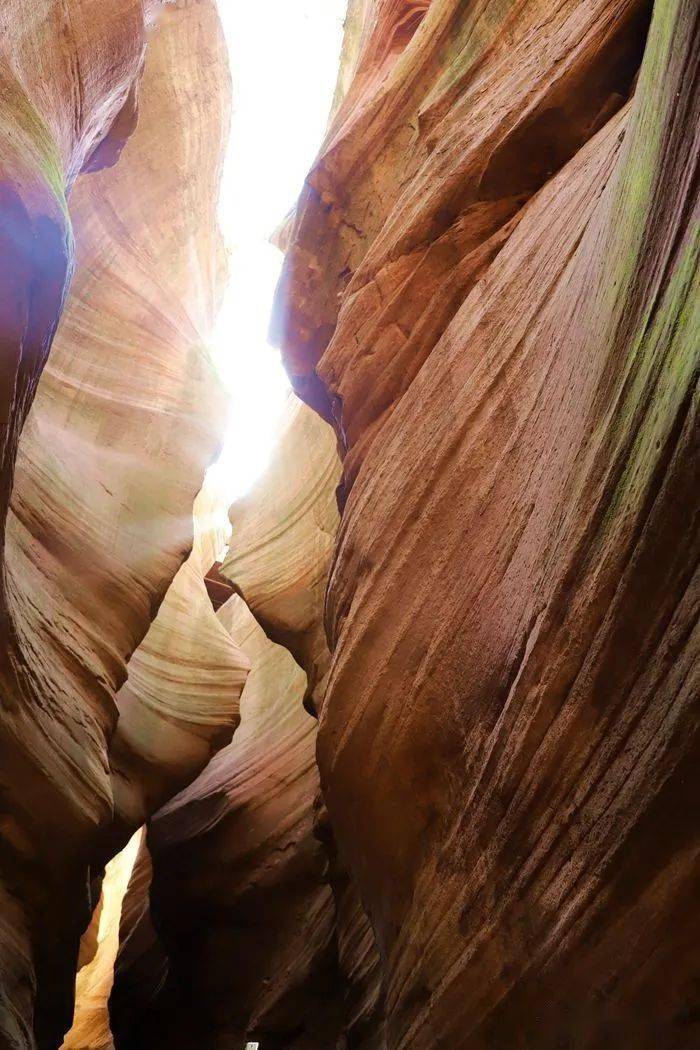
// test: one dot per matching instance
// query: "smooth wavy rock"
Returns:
(180, 703)
(238, 894)
(283, 535)
(127, 415)
(492, 286)
(313, 970)
(68, 101)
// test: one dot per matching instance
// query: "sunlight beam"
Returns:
(284, 60)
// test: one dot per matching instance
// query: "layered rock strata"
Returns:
(179, 704)
(238, 897)
(492, 289)
(283, 536)
(244, 864)
(126, 416)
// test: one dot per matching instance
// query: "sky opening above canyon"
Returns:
(284, 62)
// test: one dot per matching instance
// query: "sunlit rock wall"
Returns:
(178, 705)
(127, 415)
(244, 866)
(283, 535)
(90, 1029)
(241, 914)
(491, 289)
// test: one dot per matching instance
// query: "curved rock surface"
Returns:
(238, 896)
(492, 288)
(244, 860)
(283, 535)
(179, 704)
(127, 415)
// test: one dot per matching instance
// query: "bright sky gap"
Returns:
(284, 63)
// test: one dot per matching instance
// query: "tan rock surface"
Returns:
(283, 535)
(127, 415)
(141, 967)
(179, 704)
(492, 286)
(244, 866)
(238, 895)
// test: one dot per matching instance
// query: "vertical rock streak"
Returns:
(491, 287)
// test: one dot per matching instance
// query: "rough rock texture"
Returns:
(238, 894)
(126, 417)
(492, 288)
(359, 970)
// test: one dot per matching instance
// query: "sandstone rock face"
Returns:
(179, 704)
(127, 415)
(238, 896)
(283, 534)
(244, 863)
(492, 288)
(90, 1029)
(141, 966)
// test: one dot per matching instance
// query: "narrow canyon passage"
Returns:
(349, 506)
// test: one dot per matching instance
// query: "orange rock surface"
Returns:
(486, 837)
(492, 289)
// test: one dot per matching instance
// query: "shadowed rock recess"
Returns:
(459, 641)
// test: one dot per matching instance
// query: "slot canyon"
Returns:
(396, 746)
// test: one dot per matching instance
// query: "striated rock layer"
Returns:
(492, 289)
(283, 536)
(243, 861)
(237, 896)
(238, 937)
(179, 704)
(127, 415)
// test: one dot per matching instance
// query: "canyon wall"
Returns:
(238, 899)
(491, 289)
(458, 809)
(242, 921)
(98, 950)
(283, 531)
(109, 458)
(229, 928)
